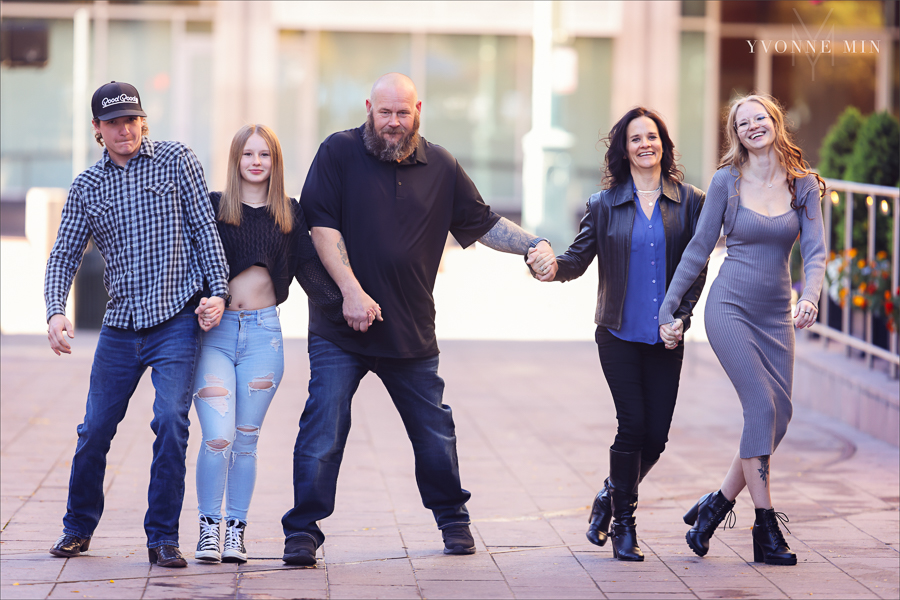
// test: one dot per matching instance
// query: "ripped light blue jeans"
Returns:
(240, 367)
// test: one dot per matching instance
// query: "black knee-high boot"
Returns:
(601, 510)
(624, 474)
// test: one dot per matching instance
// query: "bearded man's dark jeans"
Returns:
(416, 390)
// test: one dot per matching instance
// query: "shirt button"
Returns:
(651, 243)
(654, 281)
(651, 227)
(654, 318)
(652, 262)
(399, 183)
(654, 299)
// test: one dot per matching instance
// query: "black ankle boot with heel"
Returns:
(624, 474)
(704, 517)
(769, 545)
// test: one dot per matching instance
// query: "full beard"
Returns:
(391, 151)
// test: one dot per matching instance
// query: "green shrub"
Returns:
(875, 159)
(838, 144)
(876, 153)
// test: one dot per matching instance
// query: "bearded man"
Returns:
(380, 201)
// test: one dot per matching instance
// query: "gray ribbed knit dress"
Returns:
(748, 311)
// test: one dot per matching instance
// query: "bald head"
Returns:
(394, 85)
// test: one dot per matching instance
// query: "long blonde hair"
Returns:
(790, 157)
(279, 205)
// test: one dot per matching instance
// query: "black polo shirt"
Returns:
(394, 218)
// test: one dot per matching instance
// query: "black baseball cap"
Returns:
(116, 99)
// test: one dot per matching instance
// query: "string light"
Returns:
(884, 206)
(869, 200)
(834, 197)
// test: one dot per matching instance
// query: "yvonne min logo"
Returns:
(813, 47)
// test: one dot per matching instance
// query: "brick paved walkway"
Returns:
(534, 421)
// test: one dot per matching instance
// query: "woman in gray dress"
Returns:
(765, 195)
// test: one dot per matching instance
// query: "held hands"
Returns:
(360, 311)
(672, 333)
(542, 261)
(55, 327)
(210, 312)
(805, 314)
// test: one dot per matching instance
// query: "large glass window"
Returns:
(477, 96)
(349, 63)
(813, 105)
(36, 120)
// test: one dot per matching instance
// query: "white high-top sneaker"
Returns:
(234, 541)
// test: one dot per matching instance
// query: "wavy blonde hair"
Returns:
(790, 157)
(279, 205)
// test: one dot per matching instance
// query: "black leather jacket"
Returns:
(606, 232)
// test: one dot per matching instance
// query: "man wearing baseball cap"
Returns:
(146, 206)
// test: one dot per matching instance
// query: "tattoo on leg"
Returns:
(764, 469)
(342, 248)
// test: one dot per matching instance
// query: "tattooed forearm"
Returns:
(506, 236)
(764, 469)
(342, 248)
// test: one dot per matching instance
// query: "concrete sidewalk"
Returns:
(534, 422)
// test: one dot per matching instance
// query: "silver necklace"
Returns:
(650, 201)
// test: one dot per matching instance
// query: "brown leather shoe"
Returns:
(167, 556)
(69, 545)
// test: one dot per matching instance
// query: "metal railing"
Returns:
(878, 198)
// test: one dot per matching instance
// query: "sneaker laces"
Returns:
(209, 534)
(234, 535)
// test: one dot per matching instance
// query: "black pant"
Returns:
(643, 379)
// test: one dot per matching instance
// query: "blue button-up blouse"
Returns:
(646, 286)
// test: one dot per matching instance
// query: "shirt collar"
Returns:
(626, 192)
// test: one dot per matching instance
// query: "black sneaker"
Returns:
(458, 539)
(300, 550)
(208, 544)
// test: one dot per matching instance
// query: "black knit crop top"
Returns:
(259, 241)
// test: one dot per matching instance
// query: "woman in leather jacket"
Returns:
(638, 228)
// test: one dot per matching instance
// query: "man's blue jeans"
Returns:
(416, 390)
(122, 356)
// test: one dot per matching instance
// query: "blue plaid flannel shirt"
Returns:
(153, 223)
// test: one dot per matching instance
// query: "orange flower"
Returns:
(881, 255)
(843, 293)
(887, 296)
(861, 264)
(862, 288)
(852, 252)
(859, 302)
